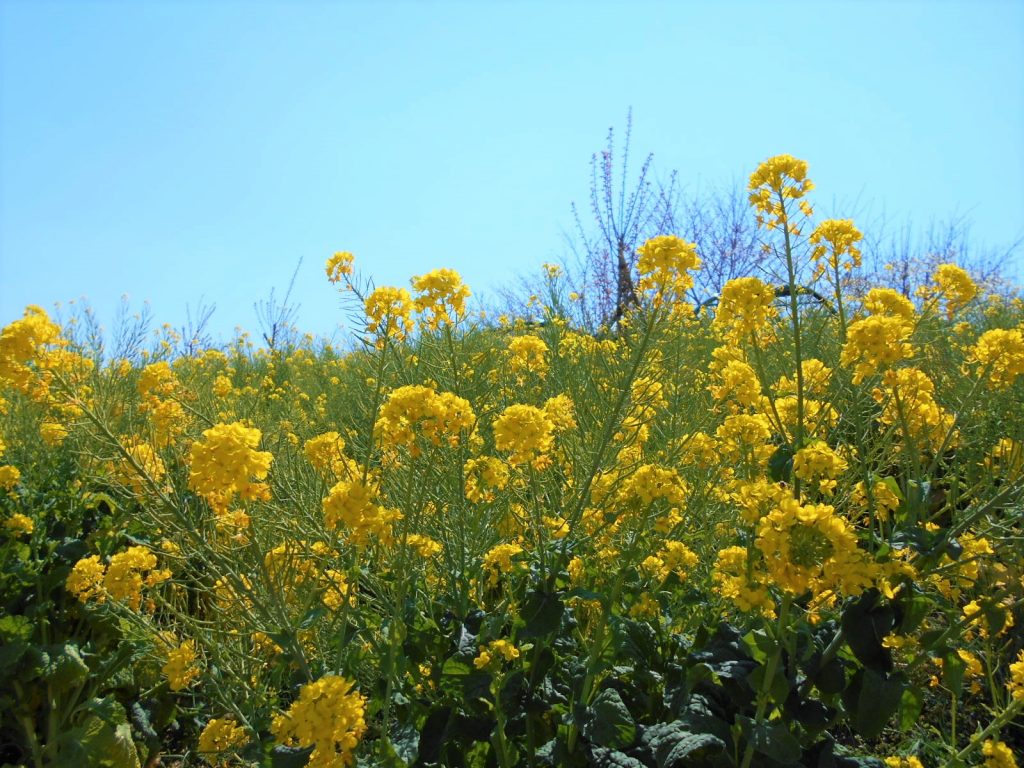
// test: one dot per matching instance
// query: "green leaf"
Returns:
(772, 740)
(878, 698)
(673, 745)
(66, 667)
(613, 758)
(953, 668)
(780, 465)
(289, 757)
(911, 704)
(609, 723)
(542, 612)
(866, 622)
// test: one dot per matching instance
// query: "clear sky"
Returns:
(177, 150)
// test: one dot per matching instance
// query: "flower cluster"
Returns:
(224, 463)
(526, 432)
(832, 240)
(389, 314)
(219, 736)
(339, 266)
(528, 354)
(329, 716)
(441, 297)
(418, 410)
(875, 342)
(776, 181)
(665, 263)
(745, 308)
(1000, 353)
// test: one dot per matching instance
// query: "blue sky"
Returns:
(177, 150)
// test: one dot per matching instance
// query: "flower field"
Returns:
(781, 528)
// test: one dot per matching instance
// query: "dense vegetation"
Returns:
(785, 529)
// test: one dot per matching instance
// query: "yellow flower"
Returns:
(525, 431)
(832, 239)
(86, 580)
(745, 307)
(220, 735)
(353, 504)
(560, 410)
(52, 433)
(776, 181)
(498, 561)
(1015, 684)
(528, 353)
(437, 417)
(21, 342)
(908, 404)
(144, 458)
(425, 546)
(903, 762)
(326, 453)
(1001, 353)
(664, 264)
(339, 266)
(952, 284)
(810, 548)
(328, 716)
(998, 755)
(9, 477)
(441, 296)
(389, 314)
(485, 476)
(817, 462)
(745, 586)
(497, 649)
(886, 301)
(128, 571)
(223, 463)
(180, 668)
(875, 342)
(735, 380)
(19, 524)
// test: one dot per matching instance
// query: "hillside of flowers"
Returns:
(783, 528)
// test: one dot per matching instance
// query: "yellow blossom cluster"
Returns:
(953, 286)
(908, 405)
(220, 735)
(353, 504)
(745, 308)
(526, 433)
(887, 302)
(498, 561)
(416, 409)
(329, 715)
(485, 477)
(441, 297)
(818, 463)
(225, 462)
(181, 669)
(665, 264)
(833, 239)
(528, 353)
(121, 580)
(339, 266)
(808, 547)
(21, 342)
(496, 649)
(389, 314)
(875, 342)
(776, 181)
(1000, 355)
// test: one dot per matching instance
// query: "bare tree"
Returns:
(277, 319)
